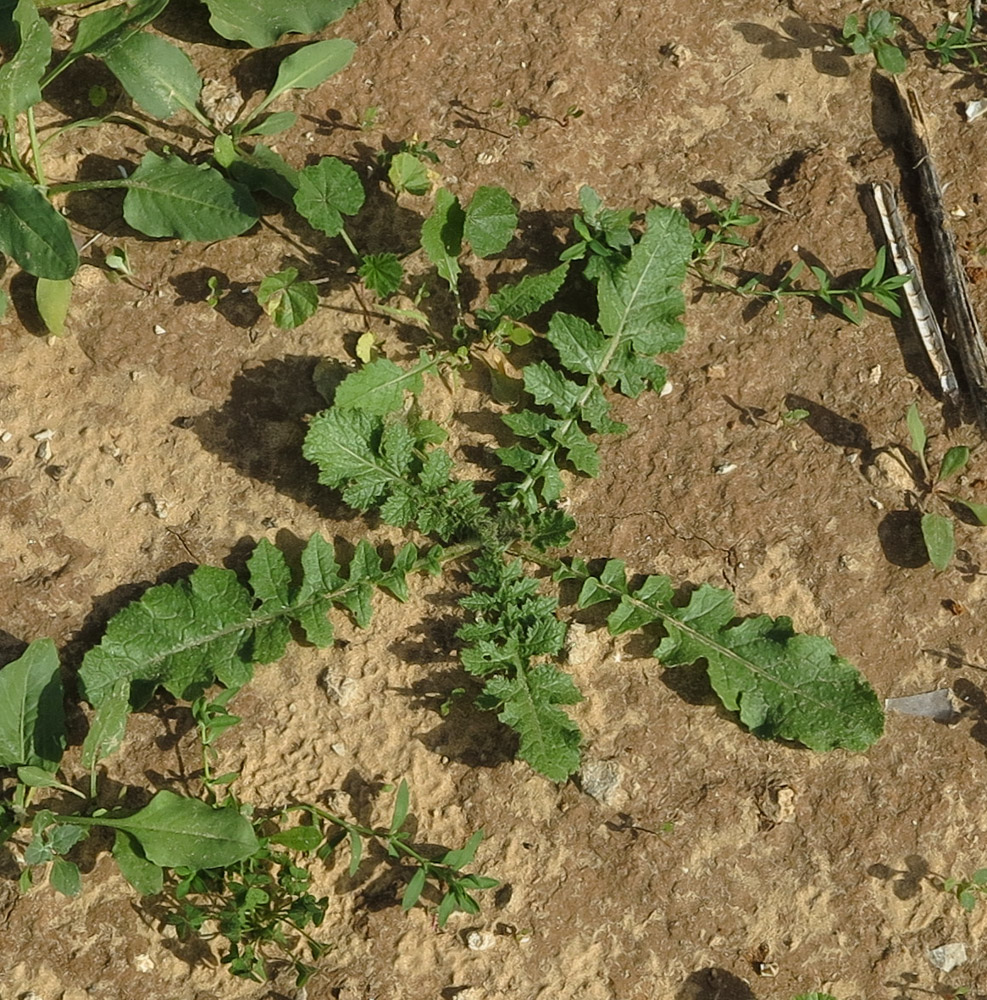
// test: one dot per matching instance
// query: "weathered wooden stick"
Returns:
(918, 303)
(961, 321)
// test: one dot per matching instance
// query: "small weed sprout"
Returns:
(954, 44)
(938, 530)
(969, 890)
(875, 35)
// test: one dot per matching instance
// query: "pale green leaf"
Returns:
(166, 196)
(32, 716)
(157, 74)
(106, 731)
(53, 299)
(379, 387)
(408, 173)
(916, 430)
(100, 32)
(940, 543)
(261, 23)
(65, 877)
(309, 66)
(955, 460)
(288, 301)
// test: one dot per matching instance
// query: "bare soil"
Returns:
(720, 867)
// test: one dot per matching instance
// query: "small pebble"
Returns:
(144, 963)
(159, 329)
(56, 472)
(43, 454)
(46, 435)
(6, 436)
(725, 468)
(5, 462)
(480, 940)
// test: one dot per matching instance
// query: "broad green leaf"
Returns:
(34, 233)
(940, 543)
(784, 685)
(26, 41)
(955, 460)
(145, 876)
(168, 197)
(158, 75)
(32, 716)
(53, 299)
(181, 636)
(356, 851)
(106, 731)
(261, 23)
(408, 173)
(309, 66)
(101, 32)
(525, 296)
(379, 387)
(465, 855)
(177, 832)
(288, 301)
(442, 236)
(265, 170)
(326, 192)
(38, 777)
(643, 301)
(550, 740)
(490, 221)
(270, 577)
(382, 273)
(65, 877)
(303, 839)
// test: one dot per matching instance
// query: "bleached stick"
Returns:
(918, 303)
(961, 321)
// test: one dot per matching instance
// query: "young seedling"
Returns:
(954, 44)
(875, 35)
(968, 891)
(938, 531)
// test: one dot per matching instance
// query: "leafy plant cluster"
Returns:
(959, 44)
(938, 529)
(216, 867)
(167, 194)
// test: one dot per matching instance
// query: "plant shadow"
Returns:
(796, 37)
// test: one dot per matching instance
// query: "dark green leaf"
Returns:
(168, 197)
(955, 460)
(401, 803)
(265, 170)
(327, 191)
(525, 297)
(100, 32)
(490, 221)
(147, 878)
(26, 41)
(32, 716)
(176, 832)
(442, 235)
(382, 273)
(34, 233)
(273, 124)
(303, 839)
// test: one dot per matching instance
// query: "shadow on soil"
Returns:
(906, 883)
(714, 984)
(795, 38)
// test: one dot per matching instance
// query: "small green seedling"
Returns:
(875, 36)
(955, 44)
(968, 891)
(938, 531)
(722, 231)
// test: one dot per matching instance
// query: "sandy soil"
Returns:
(721, 867)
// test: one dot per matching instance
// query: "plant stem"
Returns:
(39, 171)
